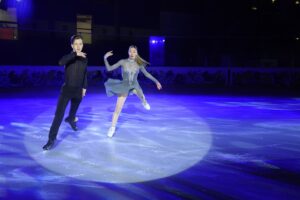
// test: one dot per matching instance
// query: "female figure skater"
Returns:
(129, 83)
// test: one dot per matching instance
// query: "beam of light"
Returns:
(24, 8)
(135, 154)
(157, 50)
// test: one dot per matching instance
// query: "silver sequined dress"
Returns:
(130, 71)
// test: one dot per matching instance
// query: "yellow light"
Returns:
(297, 2)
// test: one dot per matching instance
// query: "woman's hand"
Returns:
(158, 85)
(110, 53)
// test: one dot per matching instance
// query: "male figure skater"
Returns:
(73, 89)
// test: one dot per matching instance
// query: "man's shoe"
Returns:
(49, 145)
(72, 124)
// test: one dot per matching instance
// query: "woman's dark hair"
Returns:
(75, 37)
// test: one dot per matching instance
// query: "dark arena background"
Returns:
(226, 124)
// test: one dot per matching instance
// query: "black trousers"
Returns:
(67, 94)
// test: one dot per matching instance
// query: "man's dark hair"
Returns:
(75, 37)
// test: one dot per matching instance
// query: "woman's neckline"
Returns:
(131, 60)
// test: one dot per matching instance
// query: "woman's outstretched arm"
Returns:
(148, 75)
(114, 66)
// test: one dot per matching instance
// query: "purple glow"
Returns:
(156, 40)
(157, 49)
(236, 124)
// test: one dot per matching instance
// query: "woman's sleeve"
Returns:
(112, 67)
(148, 75)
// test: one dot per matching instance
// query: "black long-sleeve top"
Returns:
(75, 70)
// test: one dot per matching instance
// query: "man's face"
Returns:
(77, 45)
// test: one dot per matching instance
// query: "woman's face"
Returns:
(132, 53)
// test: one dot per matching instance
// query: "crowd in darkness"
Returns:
(203, 77)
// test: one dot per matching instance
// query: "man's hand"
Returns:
(83, 92)
(81, 54)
